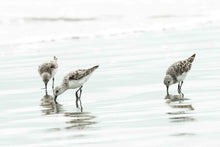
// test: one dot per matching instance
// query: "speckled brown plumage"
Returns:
(47, 71)
(73, 80)
(78, 74)
(48, 67)
(180, 67)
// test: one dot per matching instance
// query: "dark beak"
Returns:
(167, 90)
(55, 99)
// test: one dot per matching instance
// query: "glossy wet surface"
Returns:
(125, 100)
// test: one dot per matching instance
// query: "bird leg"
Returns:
(179, 87)
(55, 100)
(80, 90)
(53, 85)
(77, 106)
(77, 96)
(180, 84)
(80, 98)
(46, 88)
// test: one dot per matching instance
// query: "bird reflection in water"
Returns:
(79, 120)
(174, 98)
(76, 120)
(51, 108)
(184, 110)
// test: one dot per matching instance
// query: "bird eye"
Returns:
(56, 91)
(168, 82)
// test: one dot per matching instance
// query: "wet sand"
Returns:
(124, 100)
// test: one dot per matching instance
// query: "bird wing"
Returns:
(179, 68)
(47, 67)
(80, 73)
(53, 64)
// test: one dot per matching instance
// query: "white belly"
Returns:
(181, 77)
(77, 83)
(54, 72)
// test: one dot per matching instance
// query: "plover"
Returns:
(177, 72)
(47, 71)
(73, 80)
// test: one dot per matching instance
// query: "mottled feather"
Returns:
(78, 74)
(48, 67)
(180, 67)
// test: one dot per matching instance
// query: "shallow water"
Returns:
(125, 99)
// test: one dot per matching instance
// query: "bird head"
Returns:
(168, 80)
(58, 91)
(46, 77)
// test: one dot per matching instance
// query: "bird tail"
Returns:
(191, 59)
(93, 68)
(90, 70)
(55, 58)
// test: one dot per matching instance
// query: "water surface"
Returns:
(124, 101)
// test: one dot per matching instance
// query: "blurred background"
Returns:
(28, 21)
(124, 101)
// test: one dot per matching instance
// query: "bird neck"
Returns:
(64, 87)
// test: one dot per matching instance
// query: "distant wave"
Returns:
(57, 19)
(172, 16)
(112, 32)
(162, 16)
(104, 34)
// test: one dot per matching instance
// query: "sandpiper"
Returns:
(177, 72)
(47, 71)
(73, 80)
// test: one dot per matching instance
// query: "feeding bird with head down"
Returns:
(73, 80)
(47, 71)
(177, 72)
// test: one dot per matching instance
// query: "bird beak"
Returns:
(167, 90)
(55, 99)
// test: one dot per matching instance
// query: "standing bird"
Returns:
(74, 80)
(177, 72)
(47, 71)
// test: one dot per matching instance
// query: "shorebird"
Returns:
(47, 71)
(177, 72)
(73, 80)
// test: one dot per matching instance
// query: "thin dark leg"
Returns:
(181, 85)
(179, 88)
(53, 85)
(55, 100)
(46, 89)
(80, 99)
(77, 106)
(80, 90)
(182, 95)
(77, 97)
